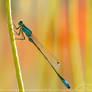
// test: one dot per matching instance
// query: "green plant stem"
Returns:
(13, 46)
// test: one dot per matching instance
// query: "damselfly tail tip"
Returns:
(68, 86)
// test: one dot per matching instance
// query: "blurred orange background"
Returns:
(62, 26)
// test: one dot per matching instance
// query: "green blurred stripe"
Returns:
(88, 50)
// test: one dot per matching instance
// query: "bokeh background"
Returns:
(62, 26)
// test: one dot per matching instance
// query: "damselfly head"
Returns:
(20, 23)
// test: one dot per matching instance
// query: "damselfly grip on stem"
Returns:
(51, 59)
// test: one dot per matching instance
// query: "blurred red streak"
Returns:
(82, 21)
(63, 39)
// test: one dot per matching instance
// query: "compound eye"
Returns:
(20, 22)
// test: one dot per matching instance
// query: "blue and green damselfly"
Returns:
(52, 60)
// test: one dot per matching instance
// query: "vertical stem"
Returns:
(13, 46)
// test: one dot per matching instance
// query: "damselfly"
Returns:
(52, 60)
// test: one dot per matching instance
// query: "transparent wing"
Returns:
(51, 59)
(47, 55)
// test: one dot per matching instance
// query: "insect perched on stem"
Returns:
(52, 60)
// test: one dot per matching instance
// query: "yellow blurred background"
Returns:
(62, 26)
